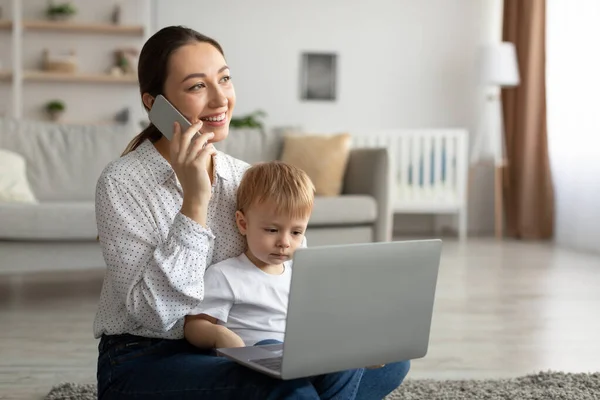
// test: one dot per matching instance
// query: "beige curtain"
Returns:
(529, 193)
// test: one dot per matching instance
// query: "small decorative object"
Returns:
(127, 12)
(66, 63)
(123, 116)
(318, 76)
(115, 71)
(55, 109)
(248, 121)
(60, 12)
(125, 62)
(116, 14)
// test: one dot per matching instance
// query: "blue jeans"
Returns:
(376, 383)
(132, 367)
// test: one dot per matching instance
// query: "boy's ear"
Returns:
(240, 220)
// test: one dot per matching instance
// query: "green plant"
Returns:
(248, 121)
(123, 63)
(64, 9)
(55, 106)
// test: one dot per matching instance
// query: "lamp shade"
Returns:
(498, 65)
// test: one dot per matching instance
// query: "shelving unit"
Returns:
(5, 25)
(78, 27)
(44, 76)
(75, 27)
(27, 27)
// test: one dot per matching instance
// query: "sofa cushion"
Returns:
(343, 210)
(335, 235)
(48, 221)
(251, 145)
(255, 145)
(64, 161)
(322, 157)
(14, 186)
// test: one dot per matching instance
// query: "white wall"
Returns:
(573, 83)
(401, 63)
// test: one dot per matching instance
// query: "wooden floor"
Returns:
(502, 309)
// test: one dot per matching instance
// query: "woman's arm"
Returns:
(157, 282)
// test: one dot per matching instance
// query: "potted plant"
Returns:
(55, 108)
(60, 12)
(248, 121)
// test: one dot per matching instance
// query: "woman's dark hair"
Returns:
(153, 64)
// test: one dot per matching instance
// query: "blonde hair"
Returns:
(287, 186)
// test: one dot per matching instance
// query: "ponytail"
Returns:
(151, 132)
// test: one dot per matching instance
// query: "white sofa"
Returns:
(64, 162)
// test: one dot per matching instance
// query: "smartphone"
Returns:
(164, 115)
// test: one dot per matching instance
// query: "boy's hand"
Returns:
(227, 339)
(375, 366)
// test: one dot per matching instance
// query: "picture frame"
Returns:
(318, 76)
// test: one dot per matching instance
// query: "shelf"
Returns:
(24, 79)
(5, 75)
(84, 122)
(79, 27)
(44, 76)
(67, 26)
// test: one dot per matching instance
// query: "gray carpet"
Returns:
(545, 385)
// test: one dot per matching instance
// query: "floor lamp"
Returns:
(498, 69)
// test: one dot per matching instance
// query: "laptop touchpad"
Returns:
(275, 349)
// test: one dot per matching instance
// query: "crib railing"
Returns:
(430, 169)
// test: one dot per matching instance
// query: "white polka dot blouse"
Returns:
(155, 256)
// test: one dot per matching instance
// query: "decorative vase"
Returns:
(55, 115)
(60, 17)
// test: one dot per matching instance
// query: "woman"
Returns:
(165, 211)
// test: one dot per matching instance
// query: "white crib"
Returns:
(430, 170)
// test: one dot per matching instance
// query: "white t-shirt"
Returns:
(246, 299)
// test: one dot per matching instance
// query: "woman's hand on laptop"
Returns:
(227, 338)
(375, 366)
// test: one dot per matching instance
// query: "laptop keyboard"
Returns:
(272, 363)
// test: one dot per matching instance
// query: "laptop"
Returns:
(352, 306)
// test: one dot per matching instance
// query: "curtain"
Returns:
(529, 192)
(573, 84)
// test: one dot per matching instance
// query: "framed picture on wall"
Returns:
(318, 76)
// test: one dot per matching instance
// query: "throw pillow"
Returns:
(322, 157)
(14, 186)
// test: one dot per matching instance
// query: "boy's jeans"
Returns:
(376, 383)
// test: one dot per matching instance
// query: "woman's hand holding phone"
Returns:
(190, 159)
